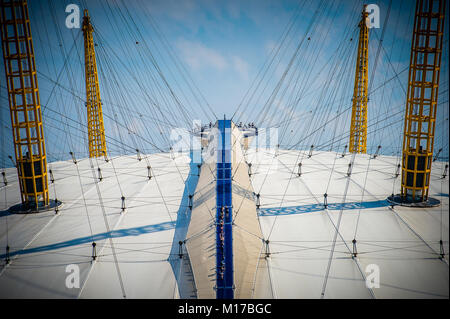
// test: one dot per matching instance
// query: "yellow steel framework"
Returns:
(96, 129)
(358, 128)
(423, 85)
(24, 103)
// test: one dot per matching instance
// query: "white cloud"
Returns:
(197, 55)
(241, 67)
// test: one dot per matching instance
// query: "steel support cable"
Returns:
(389, 59)
(323, 68)
(329, 121)
(278, 86)
(295, 74)
(159, 109)
(183, 110)
(385, 83)
(346, 135)
(182, 68)
(372, 124)
(337, 229)
(124, 115)
(134, 130)
(118, 182)
(294, 56)
(267, 106)
(108, 230)
(157, 68)
(52, 58)
(110, 237)
(106, 115)
(290, 178)
(380, 46)
(112, 140)
(93, 173)
(66, 68)
(303, 77)
(63, 52)
(328, 97)
(322, 295)
(132, 74)
(71, 83)
(117, 95)
(148, 164)
(59, 75)
(3, 151)
(178, 63)
(324, 107)
(317, 23)
(274, 52)
(292, 59)
(417, 234)
(264, 69)
(135, 71)
(369, 90)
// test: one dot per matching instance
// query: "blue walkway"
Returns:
(224, 233)
(135, 231)
(291, 210)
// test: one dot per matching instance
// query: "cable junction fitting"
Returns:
(149, 172)
(445, 171)
(180, 249)
(397, 171)
(52, 178)
(12, 161)
(441, 249)
(437, 155)
(299, 172)
(100, 176)
(5, 181)
(376, 152)
(7, 259)
(94, 251)
(190, 201)
(345, 150)
(73, 158)
(266, 247)
(258, 201)
(349, 170)
(311, 151)
(123, 203)
(139, 158)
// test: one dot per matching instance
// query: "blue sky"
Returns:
(221, 46)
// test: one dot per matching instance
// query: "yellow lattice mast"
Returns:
(96, 129)
(421, 103)
(358, 128)
(24, 103)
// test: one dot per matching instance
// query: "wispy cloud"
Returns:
(241, 67)
(198, 56)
